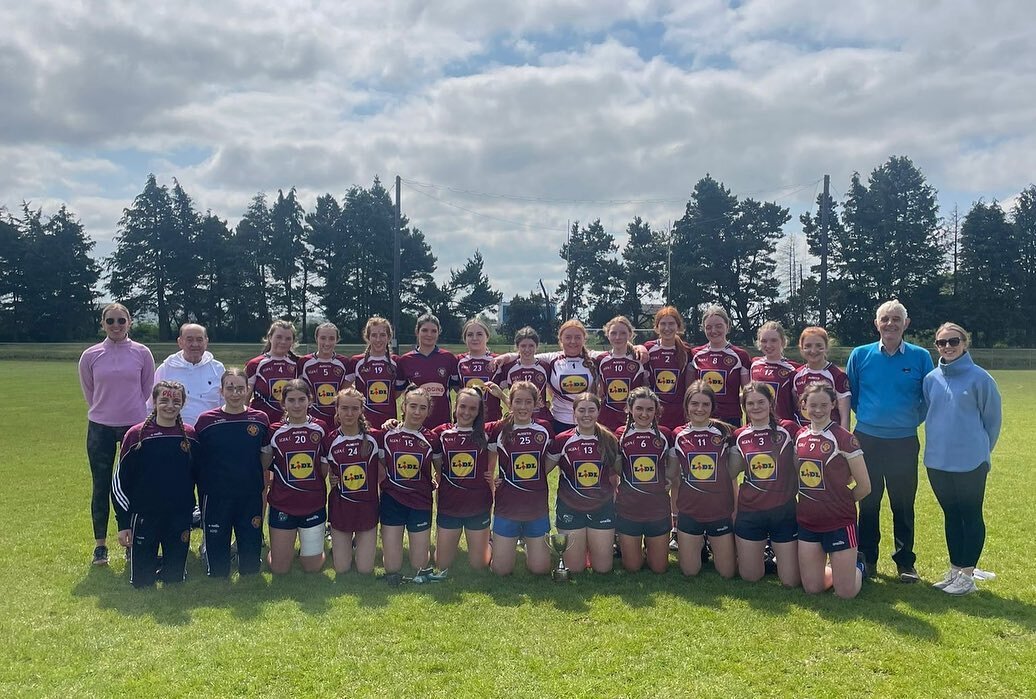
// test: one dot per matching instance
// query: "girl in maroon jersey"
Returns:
(707, 486)
(270, 371)
(618, 372)
(465, 495)
(475, 368)
(526, 367)
(774, 369)
(667, 364)
(352, 459)
(431, 368)
(764, 451)
(297, 497)
(813, 346)
(520, 507)
(375, 372)
(829, 458)
(325, 371)
(642, 506)
(590, 463)
(725, 367)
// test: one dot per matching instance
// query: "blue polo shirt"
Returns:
(888, 393)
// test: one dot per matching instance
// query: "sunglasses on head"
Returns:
(113, 321)
(950, 341)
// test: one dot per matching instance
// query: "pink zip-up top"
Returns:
(117, 378)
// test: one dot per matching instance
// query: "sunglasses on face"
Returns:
(950, 341)
(113, 321)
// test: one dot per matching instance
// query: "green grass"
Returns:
(70, 629)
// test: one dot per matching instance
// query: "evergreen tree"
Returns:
(287, 254)
(12, 278)
(988, 298)
(246, 294)
(186, 255)
(644, 259)
(1024, 268)
(593, 277)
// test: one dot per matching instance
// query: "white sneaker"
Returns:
(984, 575)
(963, 584)
(948, 578)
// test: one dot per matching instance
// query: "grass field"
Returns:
(70, 629)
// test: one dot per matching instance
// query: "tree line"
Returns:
(885, 239)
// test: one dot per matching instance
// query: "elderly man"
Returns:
(194, 367)
(886, 382)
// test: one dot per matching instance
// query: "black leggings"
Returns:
(101, 444)
(960, 495)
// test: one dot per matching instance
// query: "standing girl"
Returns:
(406, 494)
(829, 458)
(774, 369)
(465, 496)
(667, 363)
(352, 459)
(723, 366)
(813, 347)
(325, 371)
(116, 376)
(475, 367)
(588, 456)
(270, 372)
(766, 500)
(231, 477)
(642, 506)
(521, 492)
(431, 368)
(707, 485)
(526, 367)
(153, 489)
(298, 495)
(619, 372)
(375, 372)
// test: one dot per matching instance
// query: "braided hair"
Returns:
(642, 393)
(166, 385)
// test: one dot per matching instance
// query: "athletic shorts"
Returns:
(474, 523)
(689, 525)
(282, 520)
(565, 518)
(838, 540)
(513, 528)
(393, 514)
(353, 516)
(778, 524)
(629, 527)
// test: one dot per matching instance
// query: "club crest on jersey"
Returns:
(441, 371)
(783, 373)
(825, 447)
(185, 446)
(854, 442)
(811, 475)
(645, 470)
(778, 438)
(588, 474)
(703, 467)
(462, 464)
(762, 467)
(717, 440)
(354, 478)
(252, 430)
(526, 467)
(407, 467)
(658, 442)
(314, 437)
(185, 536)
(257, 522)
(338, 371)
(540, 438)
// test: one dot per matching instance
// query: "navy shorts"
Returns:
(474, 523)
(514, 528)
(838, 540)
(658, 527)
(394, 514)
(565, 518)
(282, 520)
(778, 524)
(689, 525)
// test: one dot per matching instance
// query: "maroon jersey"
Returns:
(325, 377)
(585, 483)
(642, 494)
(830, 375)
(721, 370)
(706, 488)
(566, 379)
(619, 376)
(535, 373)
(298, 481)
(825, 501)
(522, 458)
(668, 378)
(353, 459)
(433, 372)
(375, 378)
(268, 375)
(464, 490)
(473, 372)
(778, 376)
(770, 477)
(408, 467)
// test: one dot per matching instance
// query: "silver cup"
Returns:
(559, 542)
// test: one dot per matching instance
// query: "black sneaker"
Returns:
(769, 560)
(908, 574)
(100, 556)
(393, 579)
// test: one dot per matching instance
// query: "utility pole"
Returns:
(396, 274)
(824, 207)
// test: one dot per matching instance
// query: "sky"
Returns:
(508, 121)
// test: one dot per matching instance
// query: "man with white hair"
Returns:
(194, 367)
(886, 379)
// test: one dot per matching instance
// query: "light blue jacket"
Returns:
(964, 416)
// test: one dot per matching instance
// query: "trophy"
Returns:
(559, 542)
